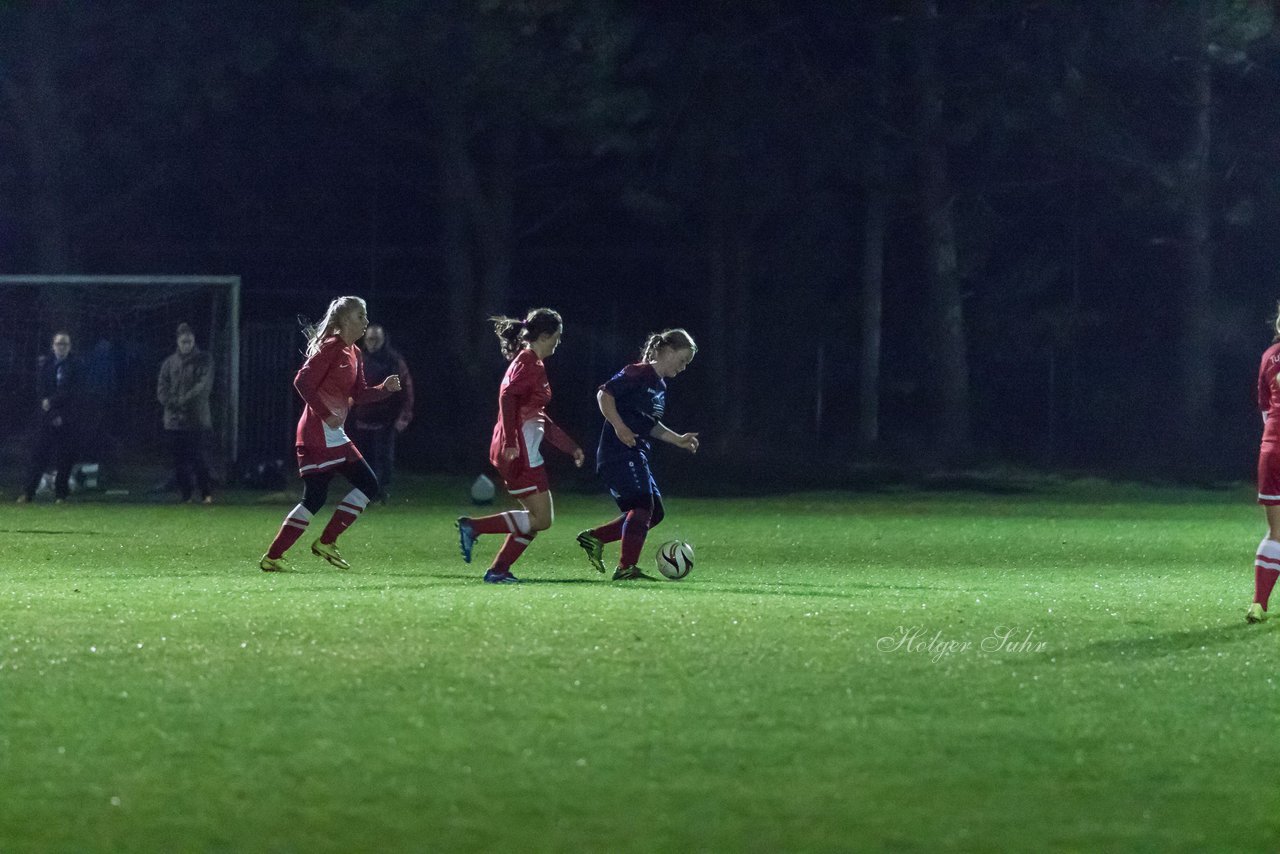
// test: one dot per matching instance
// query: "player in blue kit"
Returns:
(632, 403)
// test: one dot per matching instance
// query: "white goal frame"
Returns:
(231, 283)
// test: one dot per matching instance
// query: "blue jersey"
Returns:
(641, 397)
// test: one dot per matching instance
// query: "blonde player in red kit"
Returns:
(516, 447)
(1266, 564)
(330, 382)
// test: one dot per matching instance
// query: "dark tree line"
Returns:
(925, 230)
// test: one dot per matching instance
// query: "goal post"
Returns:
(122, 327)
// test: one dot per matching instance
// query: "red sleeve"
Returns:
(362, 392)
(312, 373)
(406, 389)
(558, 437)
(1265, 380)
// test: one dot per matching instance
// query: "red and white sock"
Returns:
(634, 530)
(512, 547)
(610, 532)
(295, 525)
(1266, 568)
(344, 515)
(506, 522)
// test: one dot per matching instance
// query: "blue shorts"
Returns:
(630, 482)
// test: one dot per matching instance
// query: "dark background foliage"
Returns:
(921, 233)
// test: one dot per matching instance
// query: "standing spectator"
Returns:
(184, 386)
(378, 423)
(57, 387)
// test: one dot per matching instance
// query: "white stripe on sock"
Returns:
(521, 518)
(357, 499)
(1269, 548)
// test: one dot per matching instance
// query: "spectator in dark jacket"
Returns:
(184, 386)
(378, 423)
(57, 388)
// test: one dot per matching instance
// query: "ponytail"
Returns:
(676, 339)
(514, 333)
(508, 330)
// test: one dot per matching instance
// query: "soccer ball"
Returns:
(482, 490)
(675, 559)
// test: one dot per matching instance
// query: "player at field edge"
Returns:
(1266, 563)
(516, 447)
(632, 402)
(329, 382)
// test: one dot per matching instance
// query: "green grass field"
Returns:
(158, 692)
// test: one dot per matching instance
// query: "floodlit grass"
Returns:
(158, 692)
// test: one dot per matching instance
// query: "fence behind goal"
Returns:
(122, 328)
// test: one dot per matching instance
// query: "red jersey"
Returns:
(330, 382)
(1269, 393)
(522, 419)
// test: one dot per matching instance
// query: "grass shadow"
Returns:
(46, 531)
(1170, 643)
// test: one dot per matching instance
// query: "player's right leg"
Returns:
(521, 483)
(1266, 562)
(316, 491)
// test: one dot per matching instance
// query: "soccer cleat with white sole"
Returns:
(1255, 614)
(329, 551)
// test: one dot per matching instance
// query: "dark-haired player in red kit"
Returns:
(516, 448)
(1266, 564)
(328, 382)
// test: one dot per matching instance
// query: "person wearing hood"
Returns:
(184, 387)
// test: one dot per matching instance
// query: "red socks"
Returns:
(347, 512)
(512, 548)
(507, 522)
(610, 532)
(295, 525)
(635, 527)
(1266, 568)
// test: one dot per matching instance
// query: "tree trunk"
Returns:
(716, 344)
(1197, 351)
(870, 300)
(44, 130)
(459, 270)
(948, 364)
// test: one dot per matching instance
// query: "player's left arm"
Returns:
(688, 441)
(406, 402)
(364, 393)
(561, 440)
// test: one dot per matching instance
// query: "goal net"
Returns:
(121, 328)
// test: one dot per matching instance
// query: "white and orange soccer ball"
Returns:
(675, 559)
